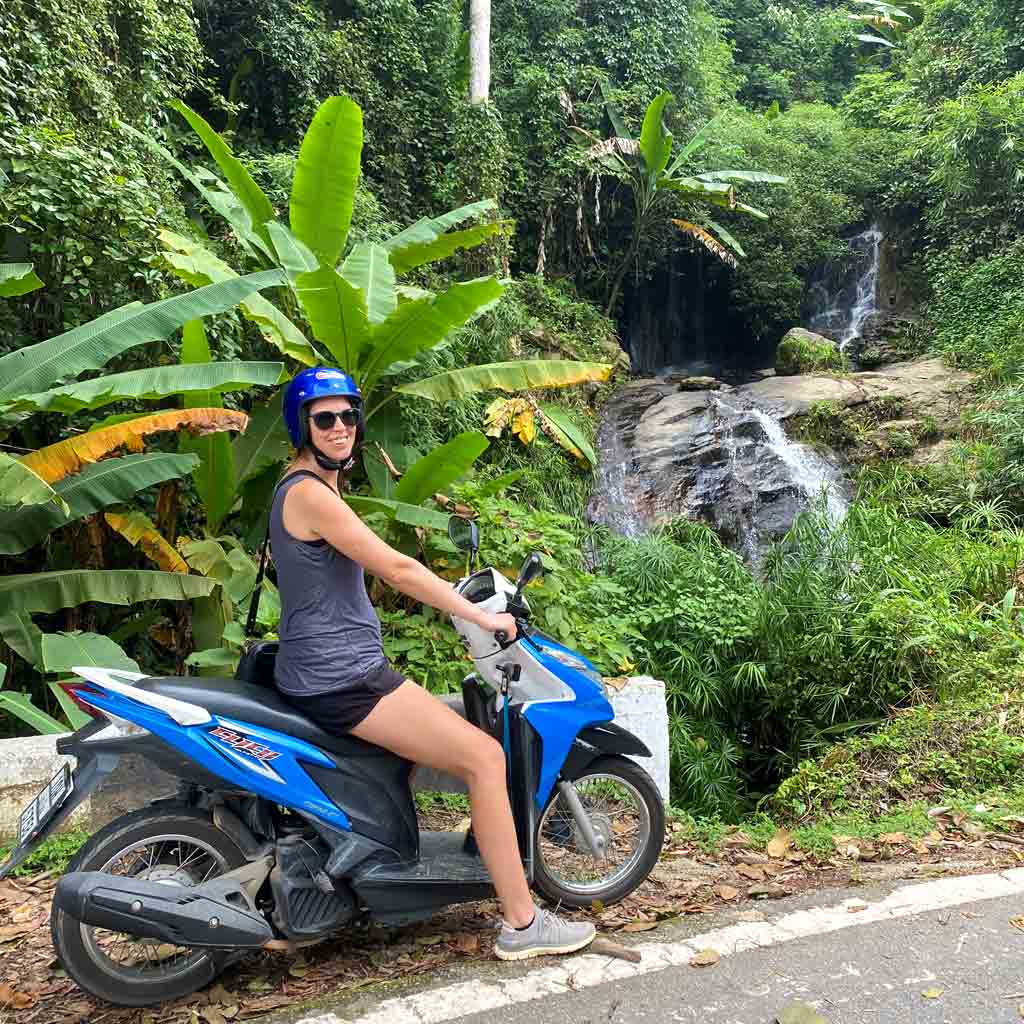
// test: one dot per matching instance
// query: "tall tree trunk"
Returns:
(479, 51)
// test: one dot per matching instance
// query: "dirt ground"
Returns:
(35, 990)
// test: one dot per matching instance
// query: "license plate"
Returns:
(38, 813)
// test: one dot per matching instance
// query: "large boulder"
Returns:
(803, 351)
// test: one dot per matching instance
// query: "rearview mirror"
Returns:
(464, 534)
(532, 568)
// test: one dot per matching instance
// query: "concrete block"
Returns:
(26, 765)
(639, 707)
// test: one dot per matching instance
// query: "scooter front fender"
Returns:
(597, 741)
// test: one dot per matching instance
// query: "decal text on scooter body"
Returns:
(245, 745)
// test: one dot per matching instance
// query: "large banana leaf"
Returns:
(66, 588)
(572, 438)
(17, 279)
(726, 236)
(517, 375)
(140, 531)
(264, 443)
(426, 229)
(105, 483)
(411, 515)
(196, 265)
(368, 268)
(249, 194)
(20, 487)
(696, 143)
(20, 705)
(337, 314)
(37, 367)
(292, 254)
(62, 652)
(23, 636)
(57, 461)
(214, 477)
(655, 142)
(763, 176)
(326, 174)
(154, 382)
(420, 325)
(446, 245)
(441, 467)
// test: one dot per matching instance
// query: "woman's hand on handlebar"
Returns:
(503, 623)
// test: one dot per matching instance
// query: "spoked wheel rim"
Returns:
(619, 816)
(168, 860)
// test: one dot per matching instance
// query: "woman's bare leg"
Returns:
(417, 726)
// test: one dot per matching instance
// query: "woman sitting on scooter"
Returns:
(331, 663)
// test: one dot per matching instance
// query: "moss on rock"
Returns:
(803, 351)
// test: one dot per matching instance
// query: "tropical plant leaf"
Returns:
(326, 174)
(762, 176)
(36, 367)
(417, 326)
(655, 142)
(264, 443)
(696, 143)
(753, 211)
(726, 236)
(20, 705)
(248, 193)
(153, 382)
(74, 714)
(411, 256)
(197, 266)
(63, 652)
(573, 440)
(20, 486)
(368, 268)
(214, 477)
(411, 515)
(141, 532)
(23, 636)
(618, 124)
(50, 591)
(294, 255)
(517, 375)
(337, 314)
(499, 483)
(97, 486)
(222, 659)
(708, 240)
(57, 461)
(17, 279)
(440, 468)
(427, 229)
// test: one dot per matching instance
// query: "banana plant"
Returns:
(349, 295)
(886, 23)
(655, 177)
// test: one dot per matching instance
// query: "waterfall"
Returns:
(844, 301)
(617, 510)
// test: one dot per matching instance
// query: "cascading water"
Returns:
(843, 303)
(618, 510)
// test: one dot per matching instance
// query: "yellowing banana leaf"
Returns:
(35, 368)
(17, 279)
(326, 175)
(153, 382)
(440, 468)
(518, 375)
(21, 486)
(109, 482)
(140, 531)
(197, 266)
(524, 426)
(500, 413)
(57, 461)
(50, 591)
(567, 434)
(708, 240)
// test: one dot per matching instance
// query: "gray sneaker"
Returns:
(547, 934)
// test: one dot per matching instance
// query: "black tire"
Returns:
(646, 857)
(83, 963)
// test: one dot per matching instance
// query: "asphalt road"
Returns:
(928, 953)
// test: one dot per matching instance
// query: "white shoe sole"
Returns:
(532, 951)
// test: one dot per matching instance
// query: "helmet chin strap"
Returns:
(334, 465)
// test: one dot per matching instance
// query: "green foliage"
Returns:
(52, 855)
(801, 351)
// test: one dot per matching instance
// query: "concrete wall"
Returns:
(26, 765)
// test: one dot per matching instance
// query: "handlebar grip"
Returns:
(501, 636)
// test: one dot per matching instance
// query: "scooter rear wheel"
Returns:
(626, 811)
(175, 846)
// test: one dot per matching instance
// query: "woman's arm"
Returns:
(321, 512)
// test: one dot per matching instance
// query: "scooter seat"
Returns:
(257, 705)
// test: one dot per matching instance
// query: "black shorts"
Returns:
(341, 710)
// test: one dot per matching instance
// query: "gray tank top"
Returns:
(329, 632)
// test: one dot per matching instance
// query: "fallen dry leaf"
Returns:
(933, 993)
(212, 1015)
(15, 999)
(705, 958)
(892, 838)
(23, 913)
(780, 843)
(10, 932)
(726, 892)
(1018, 922)
(640, 926)
(467, 942)
(752, 871)
(800, 1013)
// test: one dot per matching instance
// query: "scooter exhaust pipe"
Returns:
(217, 914)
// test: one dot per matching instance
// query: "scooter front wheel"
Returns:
(626, 813)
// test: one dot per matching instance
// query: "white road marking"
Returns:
(451, 1002)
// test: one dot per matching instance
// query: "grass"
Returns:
(53, 854)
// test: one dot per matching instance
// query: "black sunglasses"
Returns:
(325, 420)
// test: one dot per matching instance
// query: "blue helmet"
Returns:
(308, 386)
